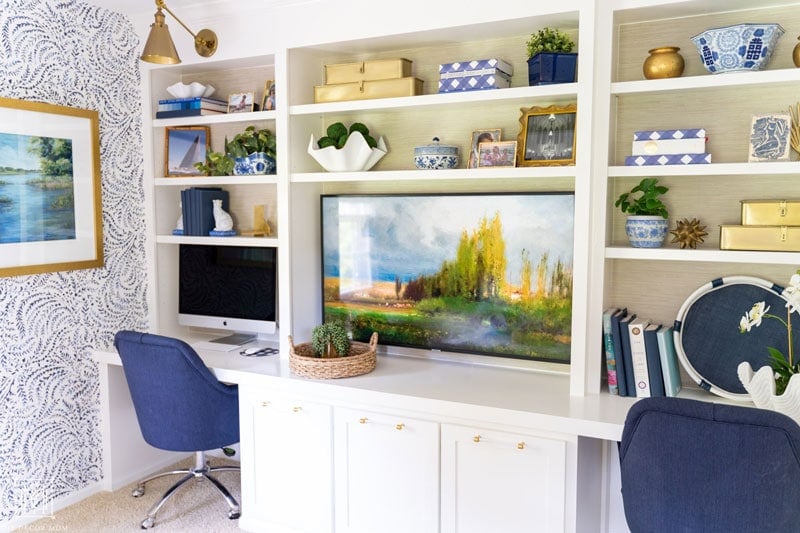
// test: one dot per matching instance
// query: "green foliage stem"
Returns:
(646, 204)
(327, 336)
(549, 40)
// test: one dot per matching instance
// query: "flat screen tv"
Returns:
(228, 287)
(487, 274)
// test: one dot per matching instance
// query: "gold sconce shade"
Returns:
(159, 47)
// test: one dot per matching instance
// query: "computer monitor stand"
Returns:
(227, 343)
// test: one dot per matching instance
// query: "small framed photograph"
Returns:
(183, 147)
(481, 136)
(770, 138)
(240, 102)
(497, 154)
(268, 101)
(547, 136)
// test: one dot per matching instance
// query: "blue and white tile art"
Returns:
(70, 53)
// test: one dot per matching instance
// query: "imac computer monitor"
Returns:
(229, 288)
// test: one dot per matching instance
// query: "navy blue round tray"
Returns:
(707, 338)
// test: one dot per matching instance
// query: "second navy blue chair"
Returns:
(180, 406)
(691, 466)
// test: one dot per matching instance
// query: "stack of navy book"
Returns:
(198, 209)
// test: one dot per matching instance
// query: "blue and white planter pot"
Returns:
(741, 47)
(256, 163)
(646, 231)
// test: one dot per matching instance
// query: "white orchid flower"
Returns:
(744, 324)
(792, 294)
(757, 313)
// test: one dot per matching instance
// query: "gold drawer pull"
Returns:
(297, 409)
(362, 420)
(521, 445)
(400, 426)
(264, 404)
(476, 438)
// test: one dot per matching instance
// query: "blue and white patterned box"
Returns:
(460, 68)
(657, 135)
(479, 82)
(667, 159)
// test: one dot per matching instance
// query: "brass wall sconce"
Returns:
(159, 47)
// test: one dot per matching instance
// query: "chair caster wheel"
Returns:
(233, 515)
(138, 491)
(147, 523)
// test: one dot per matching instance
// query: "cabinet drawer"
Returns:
(498, 481)
(386, 473)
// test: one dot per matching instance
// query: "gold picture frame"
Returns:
(497, 154)
(547, 136)
(480, 136)
(50, 204)
(268, 100)
(183, 147)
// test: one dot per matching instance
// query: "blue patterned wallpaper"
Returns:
(70, 53)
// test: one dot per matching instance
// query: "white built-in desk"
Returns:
(447, 407)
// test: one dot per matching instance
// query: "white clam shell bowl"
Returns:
(355, 156)
(192, 90)
(761, 387)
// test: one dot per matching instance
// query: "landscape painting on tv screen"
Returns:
(475, 273)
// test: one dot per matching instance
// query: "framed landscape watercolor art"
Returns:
(486, 274)
(50, 208)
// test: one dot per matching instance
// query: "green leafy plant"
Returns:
(549, 40)
(647, 203)
(337, 135)
(330, 339)
(783, 366)
(216, 164)
(250, 141)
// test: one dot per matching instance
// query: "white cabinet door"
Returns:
(287, 464)
(497, 481)
(386, 473)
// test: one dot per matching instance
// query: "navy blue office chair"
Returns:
(691, 466)
(180, 406)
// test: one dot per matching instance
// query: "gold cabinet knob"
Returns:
(399, 426)
(521, 445)
(297, 409)
(362, 420)
(476, 438)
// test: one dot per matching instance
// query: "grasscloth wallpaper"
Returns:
(69, 53)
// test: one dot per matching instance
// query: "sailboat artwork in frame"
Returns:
(183, 147)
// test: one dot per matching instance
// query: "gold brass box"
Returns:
(771, 212)
(365, 90)
(377, 69)
(761, 238)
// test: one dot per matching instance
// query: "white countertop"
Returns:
(460, 391)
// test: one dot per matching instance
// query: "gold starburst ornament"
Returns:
(688, 233)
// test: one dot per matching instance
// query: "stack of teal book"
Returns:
(640, 356)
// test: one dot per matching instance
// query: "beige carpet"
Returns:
(197, 506)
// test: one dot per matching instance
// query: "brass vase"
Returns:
(663, 62)
(796, 54)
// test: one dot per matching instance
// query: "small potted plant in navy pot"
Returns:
(550, 57)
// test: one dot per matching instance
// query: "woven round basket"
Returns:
(360, 359)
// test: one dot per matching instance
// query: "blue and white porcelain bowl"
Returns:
(736, 48)
(435, 156)
(646, 231)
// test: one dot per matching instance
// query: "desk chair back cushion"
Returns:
(180, 404)
(695, 466)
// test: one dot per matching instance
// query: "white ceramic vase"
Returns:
(761, 387)
(355, 156)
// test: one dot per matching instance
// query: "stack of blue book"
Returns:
(190, 107)
(198, 209)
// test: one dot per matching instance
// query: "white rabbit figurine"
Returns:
(222, 220)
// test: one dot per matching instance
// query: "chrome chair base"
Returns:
(201, 471)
